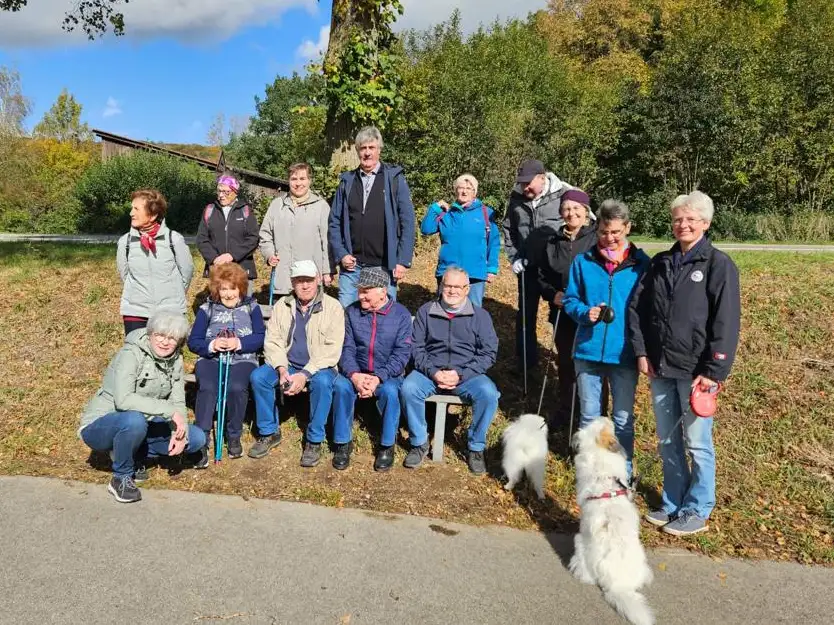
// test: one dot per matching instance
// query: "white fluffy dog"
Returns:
(525, 451)
(608, 551)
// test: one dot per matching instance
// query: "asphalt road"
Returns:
(70, 554)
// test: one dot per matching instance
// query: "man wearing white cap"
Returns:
(303, 344)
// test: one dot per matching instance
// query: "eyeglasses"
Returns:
(680, 221)
(455, 287)
(163, 338)
(464, 187)
(224, 192)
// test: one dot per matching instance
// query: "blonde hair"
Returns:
(466, 179)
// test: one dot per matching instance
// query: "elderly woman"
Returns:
(469, 237)
(599, 290)
(684, 326)
(576, 236)
(295, 228)
(228, 230)
(154, 263)
(139, 411)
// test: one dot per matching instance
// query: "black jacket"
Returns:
(555, 256)
(687, 322)
(238, 236)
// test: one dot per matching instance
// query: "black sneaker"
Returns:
(341, 457)
(311, 455)
(384, 459)
(415, 456)
(141, 474)
(124, 489)
(234, 447)
(477, 462)
(264, 444)
(203, 458)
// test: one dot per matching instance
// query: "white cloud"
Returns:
(112, 108)
(312, 50)
(421, 14)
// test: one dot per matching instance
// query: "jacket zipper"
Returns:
(449, 343)
(605, 329)
(373, 339)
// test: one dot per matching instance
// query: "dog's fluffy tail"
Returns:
(631, 605)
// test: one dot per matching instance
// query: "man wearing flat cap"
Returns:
(376, 351)
(303, 344)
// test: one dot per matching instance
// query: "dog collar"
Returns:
(609, 494)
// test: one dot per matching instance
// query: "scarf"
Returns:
(615, 258)
(147, 238)
(298, 201)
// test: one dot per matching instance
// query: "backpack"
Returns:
(487, 224)
(170, 245)
(209, 209)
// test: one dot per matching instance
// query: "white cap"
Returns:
(304, 269)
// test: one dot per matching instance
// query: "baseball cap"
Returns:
(528, 170)
(304, 269)
(373, 277)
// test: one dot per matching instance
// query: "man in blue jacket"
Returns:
(376, 351)
(372, 219)
(454, 346)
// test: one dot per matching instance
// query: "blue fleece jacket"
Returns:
(245, 319)
(469, 238)
(377, 342)
(589, 285)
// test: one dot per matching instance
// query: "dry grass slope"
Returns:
(775, 432)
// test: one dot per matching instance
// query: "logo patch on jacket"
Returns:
(697, 276)
(719, 356)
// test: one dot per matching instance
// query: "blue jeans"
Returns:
(477, 289)
(623, 381)
(387, 403)
(132, 438)
(348, 290)
(479, 391)
(264, 379)
(684, 489)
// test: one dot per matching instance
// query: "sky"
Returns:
(184, 61)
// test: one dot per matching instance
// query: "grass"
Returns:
(774, 433)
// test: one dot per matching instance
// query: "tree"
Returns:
(94, 17)
(216, 135)
(63, 121)
(14, 106)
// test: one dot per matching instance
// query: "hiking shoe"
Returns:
(264, 444)
(234, 448)
(384, 459)
(477, 462)
(203, 458)
(658, 518)
(415, 456)
(123, 488)
(311, 455)
(341, 457)
(141, 474)
(686, 524)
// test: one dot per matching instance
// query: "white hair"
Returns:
(466, 179)
(168, 323)
(455, 270)
(368, 134)
(697, 201)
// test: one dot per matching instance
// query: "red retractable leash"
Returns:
(702, 401)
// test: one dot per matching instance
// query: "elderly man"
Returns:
(532, 215)
(303, 343)
(372, 219)
(454, 346)
(377, 350)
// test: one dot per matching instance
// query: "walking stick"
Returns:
(549, 360)
(224, 365)
(573, 389)
(271, 285)
(524, 324)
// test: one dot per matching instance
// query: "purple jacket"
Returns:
(377, 342)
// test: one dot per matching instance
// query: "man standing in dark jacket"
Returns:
(454, 346)
(376, 351)
(228, 230)
(372, 219)
(684, 323)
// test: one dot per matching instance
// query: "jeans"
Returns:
(477, 290)
(530, 305)
(132, 438)
(264, 379)
(237, 395)
(684, 489)
(348, 290)
(623, 381)
(387, 403)
(479, 391)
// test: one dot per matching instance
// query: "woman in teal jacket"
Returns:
(469, 237)
(601, 284)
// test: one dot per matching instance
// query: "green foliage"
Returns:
(63, 121)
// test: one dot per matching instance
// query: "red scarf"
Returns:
(614, 258)
(147, 238)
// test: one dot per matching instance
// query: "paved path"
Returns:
(70, 554)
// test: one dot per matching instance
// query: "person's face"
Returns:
(139, 216)
(368, 155)
(687, 225)
(610, 234)
(455, 289)
(299, 183)
(372, 298)
(163, 346)
(305, 288)
(226, 195)
(464, 193)
(229, 294)
(535, 187)
(574, 214)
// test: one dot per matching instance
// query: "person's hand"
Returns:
(518, 266)
(452, 379)
(358, 381)
(181, 425)
(234, 344)
(176, 446)
(440, 376)
(273, 260)
(557, 299)
(703, 382)
(443, 204)
(371, 383)
(644, 366)
(399, 272)
(349, 262)
(223, 259)
(283, 376)
(490, 278)
(327, 279)
(297, 383)
(594, 313)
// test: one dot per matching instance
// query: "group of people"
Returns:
(615, 313)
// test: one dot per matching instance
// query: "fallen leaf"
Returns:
(345, 620)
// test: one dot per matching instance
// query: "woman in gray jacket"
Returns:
(295, 228)
(139, 411)
(154, 262)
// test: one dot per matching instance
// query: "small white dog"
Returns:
(525, 451)
(608, 551)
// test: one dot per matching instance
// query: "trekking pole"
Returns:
(549, 360)
(222, 389)
(271, 285)
(524, 323)
(573, 389)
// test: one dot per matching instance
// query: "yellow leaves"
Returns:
(661, 567)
